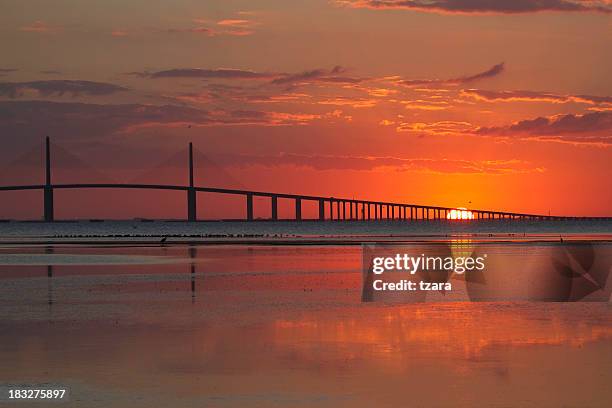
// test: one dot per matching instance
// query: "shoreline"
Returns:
(345, 240)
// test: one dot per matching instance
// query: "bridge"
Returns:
(330, 208)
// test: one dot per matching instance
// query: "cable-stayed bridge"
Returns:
(329, 208)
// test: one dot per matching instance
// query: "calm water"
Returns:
(277, 326)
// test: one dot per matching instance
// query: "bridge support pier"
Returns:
(48, 203)
(191, 204)
(274, 204)
(249, 206)
(298, 209)
(321, 210)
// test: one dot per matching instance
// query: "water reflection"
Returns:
(284, 326)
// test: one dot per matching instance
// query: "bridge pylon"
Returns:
(48, 189)
(191, 192)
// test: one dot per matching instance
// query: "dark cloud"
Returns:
(595, 128)
(85, 120)
(334, 75)
(483, 6)
(205, 73)
(489, 73)
(317, 75)
(533, 96)
(51, 72)
(366, 163)
(59, 88)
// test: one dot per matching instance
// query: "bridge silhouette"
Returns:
(330, 208)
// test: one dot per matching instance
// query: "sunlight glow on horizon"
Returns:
(460, 214)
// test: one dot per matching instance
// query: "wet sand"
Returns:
(279, 326)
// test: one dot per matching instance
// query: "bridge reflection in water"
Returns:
(330, 208)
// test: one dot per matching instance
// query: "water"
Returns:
(139, 324)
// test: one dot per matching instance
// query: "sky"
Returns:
(501, 105)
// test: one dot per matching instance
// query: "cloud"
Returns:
(369, 163)
(196, 30)
(483, 6)
(531, 96)
(332, 76)
(237, 26)
(59, 88)
(30, 119)
(589, 128)
(230, 26)
(229, 118)
(235, 23)
(39, 27)
(489, 73)
(84, 121)
(222, 73)
(317, 75)
(119, 33)
(431, 105)
(6, 71)
(348, 101)
(441, 128)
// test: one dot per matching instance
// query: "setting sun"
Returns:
(460, 214)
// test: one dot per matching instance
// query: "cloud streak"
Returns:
(222, 73)
(335, 75)
(482, 6)
(370, 163)
(331, 76)
(59, 88)
(494, 71)
(39, 27)
(532, 96)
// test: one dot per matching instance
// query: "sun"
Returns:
(460, 214)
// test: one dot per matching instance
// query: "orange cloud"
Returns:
(441, 128)
(531, 96)
(119, 33)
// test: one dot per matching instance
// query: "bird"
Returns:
(163, 240)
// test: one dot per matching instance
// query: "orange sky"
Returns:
(483, 104)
